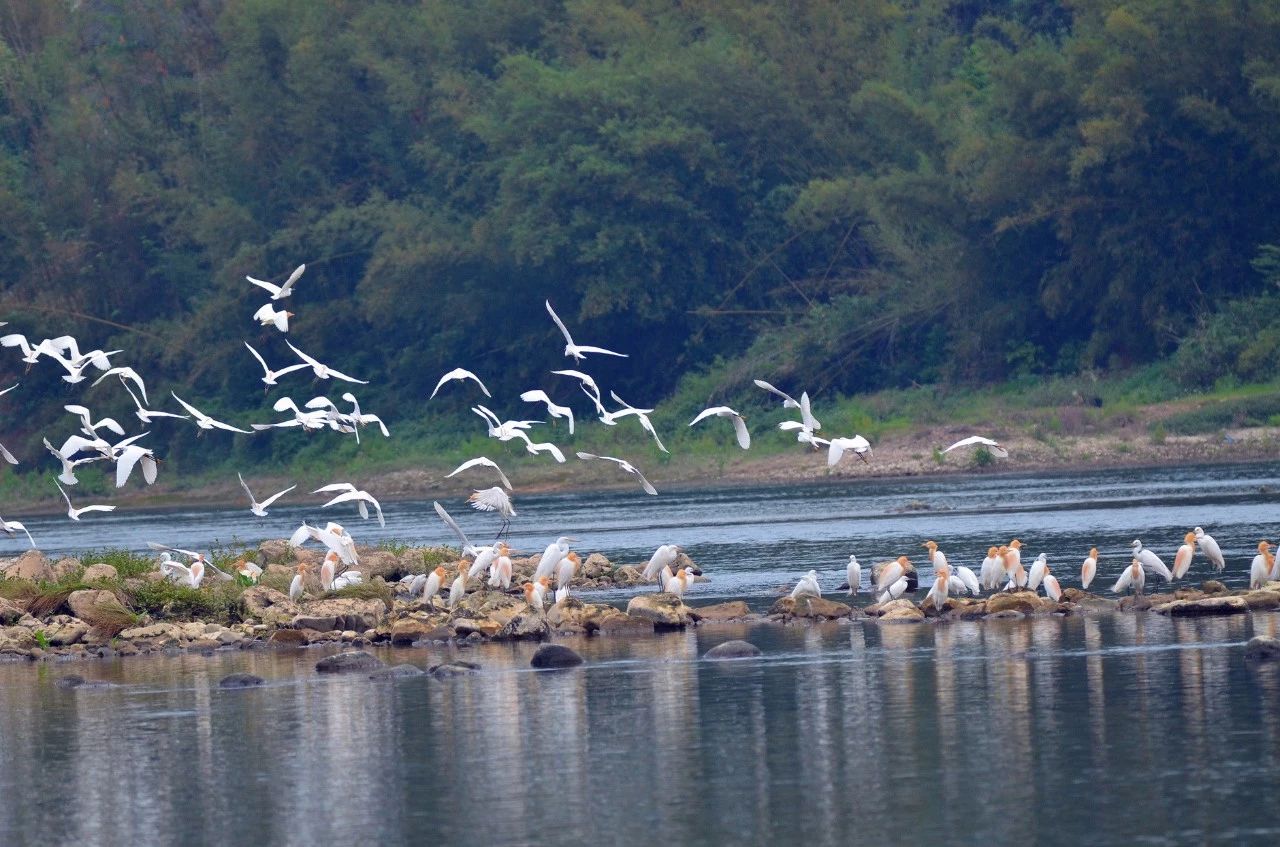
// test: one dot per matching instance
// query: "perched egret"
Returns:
(1210, 549)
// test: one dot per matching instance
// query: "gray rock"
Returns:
(1262, 649)
(240, 680)
(454, 668)
(395, 672)
(733, 650)
(76, 681)
(348, 662)
(555, 656)
(100, 572)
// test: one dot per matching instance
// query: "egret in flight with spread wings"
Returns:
(130, 457)
(75, 513)
(204, 421)
(481, 461)
(554, 410)
(739, 423)
(260, 509)
(268, 315)
(624, 465)
(270, 376)
(280, 291)
(494, 500)
(459, 374)
(11, 528)
(577, 351)
(323, 371)
(362, 499)
(9, 457)
(788, 402)
(858, 445)
(992, 445)
(125, 374)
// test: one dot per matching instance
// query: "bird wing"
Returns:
(601, 350)
(452, 524)
(644, 483)
(228, 427)
(10, 388)
(536, 396)
(341, 375)
(196, 413)
(965, 442)
(490, 500)
(265, 503)
(85, 509)
(648, 425)
(8, 457)
(788, 402)
(559, 323)
(706, 413)
(582, 455)
(303, 356)
(245, 486)
(335, 486)
(806, 413)
(125, 462)
(453, 374)
(301, 534)
(261, 283)
(544, 447)
(287, 289)
(258, 356)
(64, 493)
(740, 429)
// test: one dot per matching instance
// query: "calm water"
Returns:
(1119, 729)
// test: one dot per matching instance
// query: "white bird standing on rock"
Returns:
(295, 587)
(679, 583)
(1089, 568)
(75, 513)
(807, 586)
(1052, 589)
(624, 465)
(577, 351)
(1134, 577)
(1150, 561)
(279, 292)
(893, 572)
(535, 593)
(260, 509)
(854, 572)
(553, 409)
(1182, 560)
(739, 423)
(893, 591)
(940, 588)
(664, 557)
(992, 569)
(964, 578)
(459, 588)
(992, 445)
(1210, 549)
(551, 557)
(459, 374)
(1262, 565)
(431, 586)
(565, 572)
(1038, 569)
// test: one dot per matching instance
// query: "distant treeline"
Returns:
(837, 194)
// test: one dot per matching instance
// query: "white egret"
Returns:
(679, 583)
(333, 536)
(836, 449)
(964, 576)
(68, 474)
(588, 385)
(1089, 568)
(323, 371)
(893, 591)
(993, 446)
(940, 588)
(577, 351)
(1038, 569)
(89, 427)
(75, 513)
(494, 499)
(459, 374)
(534, 593)
(268, 315)
(539, 447)
(788, 402)
(854, 573)
(807, 586)
(204, 421)
(992, 569)
(433, 582)
(739, 423)
(1150, 561)
(551, 557)
(565, 572)
(11, 528)
(480, 461)
(1210, 549)
(362, 499)
(1182, 559)
(459, 588)
(295, 586)
(1052, 589)
(1260, 569)
(1134, 577)
(279, 292)
(624, 465)
(146, 415)
(248, 570)
(132, 456)
(553, 409)
(360, 419)
(663, 557)
(30, 354)
(260, 509)
(125, 374)
(468, 549)
(892, 572)
(270, 376)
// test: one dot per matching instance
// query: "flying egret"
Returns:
(125, 374)
(132, 456)
(468, 549)
(333, 536)
(89, 427)
(588, 385)
(494, 499)
(323, 371)
(459, 374)
(992, 445)
(739, 423)
(279, 292)
(146, 415)
(807, 586)
(11, 528)
(1182, 559)
(1089, 568)
(362, 499)
(539, 447)
(8, 457)
(268, 315)
(270, 376)
(204, 421)
(788, 402)
(30, 354)
(553, 409)
(577, 351)
(195, 557)
(836, 449)
(260, 509)
(1210, 549)
(624, 465)
(481, 461)
(75, 513)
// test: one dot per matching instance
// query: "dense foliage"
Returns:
(847, 195)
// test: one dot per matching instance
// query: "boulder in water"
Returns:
(555, 656)
(240, 680)
(395, 672)
(733, 650)
(1261, 648)
(348, 662)
(665, 610)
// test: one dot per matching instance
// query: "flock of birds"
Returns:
(91, 444)
(1002, 570)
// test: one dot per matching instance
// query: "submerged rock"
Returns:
(240, 680)
(555, 656)
(395, 672)
(733, 650)
(348, 662)
(1261, 648)
(455, 668)
(76, 681)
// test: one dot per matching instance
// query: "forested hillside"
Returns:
(839, 195)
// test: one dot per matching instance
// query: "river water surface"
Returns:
(1110, 729)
